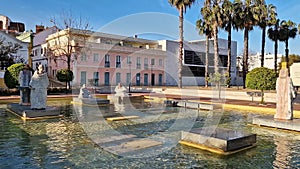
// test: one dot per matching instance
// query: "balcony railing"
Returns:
(118, 64)
(107, 64)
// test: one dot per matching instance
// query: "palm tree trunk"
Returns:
(180, 47)
(229, 54)
(206, 60)
(287, 53)
(275, 53)
(263, 43)
(245, 58)
(216, 49)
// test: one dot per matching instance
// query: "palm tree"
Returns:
(207, 30)
(181, 6)
(287, 30)
(213, 16)
(267, 18)
(273, 35)
(246, 16)
(228, 23)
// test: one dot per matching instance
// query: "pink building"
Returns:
(106, 59)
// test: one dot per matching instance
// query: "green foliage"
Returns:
(292, 59)
(11, 75)
(218, 78)
(64, 75)
(287, 30)
(261, 79)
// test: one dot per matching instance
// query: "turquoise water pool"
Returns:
(68, 143)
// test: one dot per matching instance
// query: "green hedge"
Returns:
(261, 78)
(11, 75)
(64, 75)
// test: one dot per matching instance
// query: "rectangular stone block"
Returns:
(91, 101)
(275, 123)
(219, 138)
(26, 113)
(122, 118)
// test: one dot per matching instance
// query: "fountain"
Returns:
(63, 143)
(122, 96)
(85, 97)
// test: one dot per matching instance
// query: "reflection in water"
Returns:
(119, 104)
(282, 152)
(62, 143)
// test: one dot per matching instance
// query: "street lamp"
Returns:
(129, 63)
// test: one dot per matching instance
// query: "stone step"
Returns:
(121, 118)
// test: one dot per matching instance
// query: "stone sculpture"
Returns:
(24, 79)
(286, 93)
(84, 92)
(39, 83)
(120, 93)
(120, 90)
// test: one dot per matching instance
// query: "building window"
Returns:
(152, 62)
(96, 57)
(96, 78)
(160, 62)
(107, 62)
(160, 79)
(118, 78)
(128, 59)
(83, 57)
(146, 79)
(193, 71)
(146, 63)
(128, 78)
(118, 61)
(82, 78)
(106, 78)
(138, 63)
(193, 58)
(223, 60)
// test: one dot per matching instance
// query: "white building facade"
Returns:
(193, 72)
(39, 50)
(255, 60)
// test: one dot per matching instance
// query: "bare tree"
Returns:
(8, 53)
(70, 41)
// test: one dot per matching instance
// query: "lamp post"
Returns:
(130, 76)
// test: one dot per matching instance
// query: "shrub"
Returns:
(261, 79)
(64, 75)
(11, 75)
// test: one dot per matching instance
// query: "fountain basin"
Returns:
(219, 140)
(90, 101)
(25, 113)
(277, 123)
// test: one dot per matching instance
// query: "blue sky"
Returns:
(148, 18)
